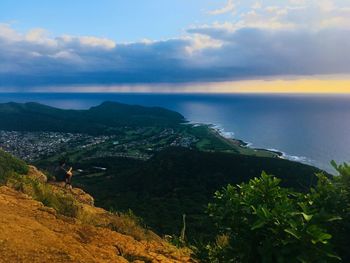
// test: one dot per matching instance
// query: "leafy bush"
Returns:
(332, 196)
(9, 165)
(260, 221)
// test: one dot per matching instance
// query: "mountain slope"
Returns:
(31, 232)
(102, 119)
(43, 222)
(179, 181)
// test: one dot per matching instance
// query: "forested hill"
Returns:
(102, 119)
(180, 181)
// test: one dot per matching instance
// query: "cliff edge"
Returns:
(44, 222)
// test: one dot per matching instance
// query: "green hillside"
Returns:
(9, 164)
(103, 119)
(160, 170)
(300, 215)
(179, 181)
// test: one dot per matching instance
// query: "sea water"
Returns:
(313, 129)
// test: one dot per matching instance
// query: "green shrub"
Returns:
(64, 203)
(130, 224)
(10, 165)
(260, 221)
(332, 196)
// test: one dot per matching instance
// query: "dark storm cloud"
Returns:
(282, 52)
(207, 54)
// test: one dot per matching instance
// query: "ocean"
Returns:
(313, 129)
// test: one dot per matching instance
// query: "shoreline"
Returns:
(240, 143)
(279, 154)
(229, 137)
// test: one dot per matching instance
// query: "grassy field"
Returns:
(211, 140)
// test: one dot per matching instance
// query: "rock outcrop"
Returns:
(31, 232)
(34, 173)
(77, 193)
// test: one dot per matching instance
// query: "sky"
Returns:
(175, 46)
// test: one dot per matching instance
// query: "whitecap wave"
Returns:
(223, 132)
(295, 158)
(249, 144)
(231, 135)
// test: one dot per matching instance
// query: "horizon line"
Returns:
(180, 92)
(317, 85)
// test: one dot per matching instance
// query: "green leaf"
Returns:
(292, 232)
(333, 256)
(334, 218)
(264, 211)
(324, 237)
(258, 224)
(307, 217)
(253, 208)
(334, 164)
(319, 236)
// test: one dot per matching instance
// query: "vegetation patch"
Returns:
(9, 165)
(260, 221)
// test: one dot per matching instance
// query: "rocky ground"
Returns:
(31, 232)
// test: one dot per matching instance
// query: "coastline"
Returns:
(280, 154)
(238, 145)
(218, 131)
(242, 144)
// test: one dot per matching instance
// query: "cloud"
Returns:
(228, 8)
(256, 5)
(89, 41)
(265, 40)
(273, 14)
(39, 36)
(7, 33)
(200, 42)
(259, 52)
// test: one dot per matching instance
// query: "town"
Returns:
(31, 146)
(139, 143)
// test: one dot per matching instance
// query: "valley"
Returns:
(149, 160)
